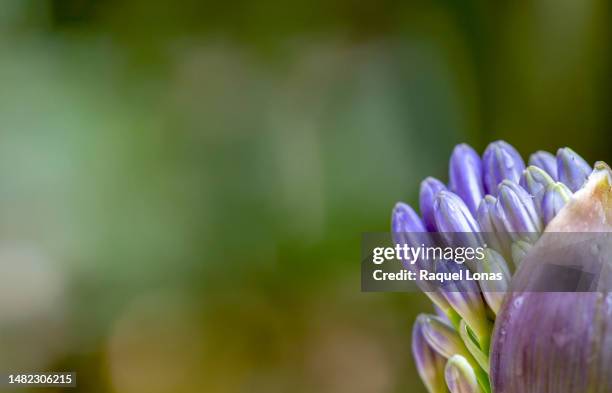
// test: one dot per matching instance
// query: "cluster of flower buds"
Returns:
(474, 342)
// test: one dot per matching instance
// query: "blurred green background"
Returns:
(184, 183)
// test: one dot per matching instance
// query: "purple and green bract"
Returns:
(485, 337)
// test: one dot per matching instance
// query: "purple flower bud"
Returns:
(407, 228)
(517, 211)
(455, 223)
(535, 181)
(430, 187)
(405, 220)
(465, 173)
(554, 200)
(572, 169)
(452, 215)
(429, 364)
(460, 376)
(442, 337)
(546, 161)
(492, 226)
(494, 291)
(465, 298)
(500, 162)
(447, 342)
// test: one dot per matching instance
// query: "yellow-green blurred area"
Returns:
(184, 184)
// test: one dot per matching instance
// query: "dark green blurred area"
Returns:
(184, 184)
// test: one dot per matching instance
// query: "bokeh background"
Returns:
(183, 184)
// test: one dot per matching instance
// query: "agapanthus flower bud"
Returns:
(460, 376)
(452, 215)
(442, 337)
(572, 169)
(430, 187)
(517, 211)
(494, 290)
(500, 162)
(535, 181)
(492, 226)
(430, 365)
(455, 222)
(546, 161)
(465, 175)
(465, 298)
(406, 222)
(407, 228)
(447, 343)
(554, 200)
